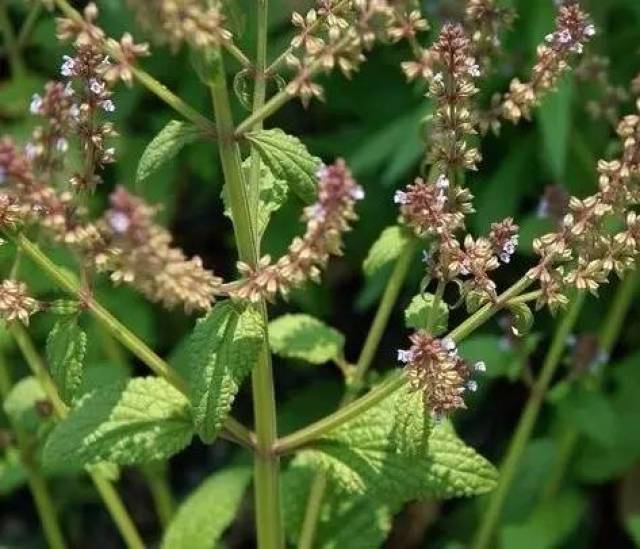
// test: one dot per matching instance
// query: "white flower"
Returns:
(449, 345)
(442, 182)
(400, 197)
(425, 256)
(36, 104)
(480, 366)
(68, 67)
(61, 144)
(590, 30)
(108, 105)
(405, 355)
(564, 36)
(472, 386)
(119, 222)
(31, 151)
(96, 86)
(357, 193)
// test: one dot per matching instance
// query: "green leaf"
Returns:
(356, 522)
(522, 318)
(224, 348)
(304, 337)
(273, 194)
(393, 451)
(139, 421)
(66, 348)
(389, 247)
(204, 516)
(632, 525)
(416, 315)
(12, 472)
(165, 146)
(21, 404)
(289, 160)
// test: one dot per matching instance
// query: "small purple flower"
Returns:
(36, 104)
(400, 197)
(68, 67)
(405, 355)
(119, 222)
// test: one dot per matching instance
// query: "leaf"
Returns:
(416, 315)
(273, 194)
(289, 160)
(389, 247)
(356, 522)
(66, 348)
(21, 404)
(12, 472)
(304, 337)
(139, 421)
(522, 318)
(224, 348)
(165, 146)
(204, 516)
(393, 451)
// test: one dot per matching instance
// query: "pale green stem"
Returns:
(117, 329)
(493, 510)
(155, 87)
(10, 42)
(354, 382)
(611, 329)
(238, 54)
(108, 493)
(269, 528)
(37, 484)
(158, 481)
(394, 381)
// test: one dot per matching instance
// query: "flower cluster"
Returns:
(138, 251)
(594, 69)
(337, 33)
(584, 251)
(435, 368)
(326, 221)
(200, 23)
(573, 30)
(85, 33)
(15, 302)
(486, 21)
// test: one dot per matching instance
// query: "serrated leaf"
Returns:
(356, 522)
(66, 348)
(273, 194)
(393, 451)
(21, 404)
(389, 246)
(138, 421)
(416, 315)
(304, 337)
(224, 348)
(289, 160)
(165, 146)
(204, 516)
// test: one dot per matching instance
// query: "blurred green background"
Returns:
(374, 122)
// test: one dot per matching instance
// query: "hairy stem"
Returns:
(37, 483)
(376, 330)
(395, 381)
(114, 327)
(611, 329)
(11, 44)
(491, 516)
(148, 81)
(110, 497)
(266, 464)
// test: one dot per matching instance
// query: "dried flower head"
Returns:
(326, 221)
(15, 302)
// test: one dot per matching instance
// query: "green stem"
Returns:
(266, 464)
(108, 493)
(11, 44)
(389, 298)
(117, 329)
(157, 479)
(484, 534)
(354, 382)
(238, 54)
(393, 382)
(155, 87)
(29, 23)
(37, 484)
(611, 329)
